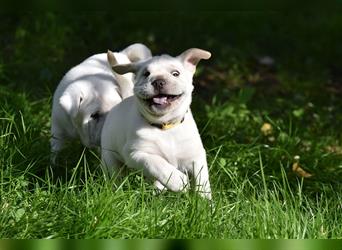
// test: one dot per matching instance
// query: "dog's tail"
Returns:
(137, 52)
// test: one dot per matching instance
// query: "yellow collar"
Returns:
(167, 125)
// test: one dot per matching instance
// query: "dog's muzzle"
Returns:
(158, 84)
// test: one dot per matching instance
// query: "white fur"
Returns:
(166, 156)
(85, 95)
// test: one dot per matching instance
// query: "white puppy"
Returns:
(85, 95)
(154, 130)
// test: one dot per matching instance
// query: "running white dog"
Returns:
(154, 130)
(85, 95)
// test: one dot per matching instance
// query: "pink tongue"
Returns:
(160, 100)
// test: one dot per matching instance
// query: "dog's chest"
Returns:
(179, 147)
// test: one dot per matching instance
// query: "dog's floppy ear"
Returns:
(125, 68)
(120, 67)
(191, 57)
(66, 102)
(117, 58)
(71, 104)
(111, 58)
(124, 80)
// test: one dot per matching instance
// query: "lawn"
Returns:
(272, 131)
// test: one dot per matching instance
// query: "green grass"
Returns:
(256, 194)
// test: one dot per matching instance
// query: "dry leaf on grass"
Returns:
(297, 169)
(266, 129)
(334, 149)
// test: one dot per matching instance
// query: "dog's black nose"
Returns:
(158, 83)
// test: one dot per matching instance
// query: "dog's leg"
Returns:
(201, 175)
(111, 165)
(158, 168)
(57, 144)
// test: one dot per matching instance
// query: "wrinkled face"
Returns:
(162, 84)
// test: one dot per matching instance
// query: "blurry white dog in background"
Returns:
(85, 95)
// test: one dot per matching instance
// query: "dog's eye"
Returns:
(147, 73)
(175, 73)
(95, 115)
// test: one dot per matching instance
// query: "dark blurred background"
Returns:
(38, 48)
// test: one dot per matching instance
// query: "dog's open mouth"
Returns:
(162, 100)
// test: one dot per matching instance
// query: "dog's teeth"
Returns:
(160, 100)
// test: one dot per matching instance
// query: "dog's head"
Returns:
(87, 111)
(163, 84)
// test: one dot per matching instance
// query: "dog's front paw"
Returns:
(159, 187)
(178, 182)
(206, 195)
